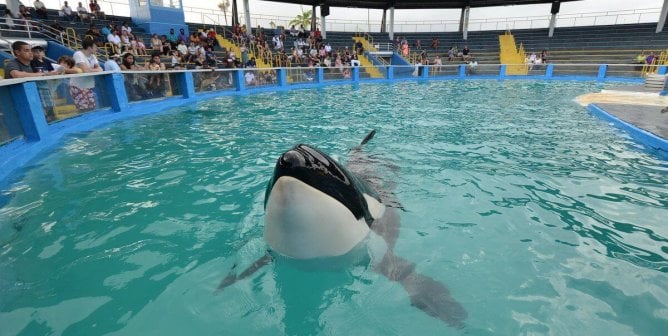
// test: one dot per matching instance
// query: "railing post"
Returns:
(549, 71)
(602, 69)
(502, 71)
(356, 74)
(390, 72)
(462, 70)
(320, 75)
(28, 105)
(282, 77)
(118, 97)
(239, 80)
(187, 83)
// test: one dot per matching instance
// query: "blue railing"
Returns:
(35, 114)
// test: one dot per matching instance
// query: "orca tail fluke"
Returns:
(426, 294)
(368, 137)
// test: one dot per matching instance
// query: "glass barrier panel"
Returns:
(65, 98)
(338, 73)
(214, 80)
(473, 70)
(10, 125)
(629, 70)
(301, 75)
(590, 70)
(151, 85)
(373, 72)
(443, 70)
(255, 78)
(404, 71)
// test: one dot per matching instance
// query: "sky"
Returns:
(420, 20)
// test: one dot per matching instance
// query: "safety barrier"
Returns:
(36, 113)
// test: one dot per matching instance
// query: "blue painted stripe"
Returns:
(644, 137)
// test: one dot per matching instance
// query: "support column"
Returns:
(247, 15)
(383, 21)
(392, 23)
(662, 17)
(187, 83)
(118, 96)
(235, 13)
(323, 31)
(553, 21)
(464, 22)
(313, 20)
(29, 108)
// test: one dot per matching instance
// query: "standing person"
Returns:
(81, 88)
(19, 67)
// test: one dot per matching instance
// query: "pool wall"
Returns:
(26, 134)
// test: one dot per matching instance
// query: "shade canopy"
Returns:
(416, 4)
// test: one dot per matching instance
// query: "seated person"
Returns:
(82, 12)
(640, 59)
(250, 78)
(67, 12)
(40, 9)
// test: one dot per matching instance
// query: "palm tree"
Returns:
(224, 6)
(303, 19)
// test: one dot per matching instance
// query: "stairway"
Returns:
(655, 82)
(366, 64)
(509, 54)
(229, 45)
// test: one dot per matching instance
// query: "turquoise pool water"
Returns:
(538, 217)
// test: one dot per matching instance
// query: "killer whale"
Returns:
(317, 208)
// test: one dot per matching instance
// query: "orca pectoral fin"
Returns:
(232, 278)
(427, 294)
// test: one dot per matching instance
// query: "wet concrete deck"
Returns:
(636, 106)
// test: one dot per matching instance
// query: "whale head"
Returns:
(314, 207)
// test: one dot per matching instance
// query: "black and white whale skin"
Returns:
(315, 208)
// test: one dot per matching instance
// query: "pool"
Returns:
(538, 217)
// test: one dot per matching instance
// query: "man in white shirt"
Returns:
(82, 12)
(40, 9)
(82, 88)
(250, 78)
(66, 10)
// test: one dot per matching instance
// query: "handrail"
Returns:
(34, 27)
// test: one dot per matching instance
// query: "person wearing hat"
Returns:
(40, 64)
(111, 65)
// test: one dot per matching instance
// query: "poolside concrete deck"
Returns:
(635, 106)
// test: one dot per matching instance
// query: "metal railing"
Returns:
(32, 29)
(634, 16)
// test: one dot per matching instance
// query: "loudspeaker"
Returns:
(324, 10)
(555, 7)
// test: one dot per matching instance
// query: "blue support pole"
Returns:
(239, 80)
(425, 72)
(320, 75)
(602, 69)
(187, 83)
(549, 71)
(390, 72)
(118, 97)
(356, 74)
(462, 70)
(282, 77)
(502, 71)
(28, 105)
